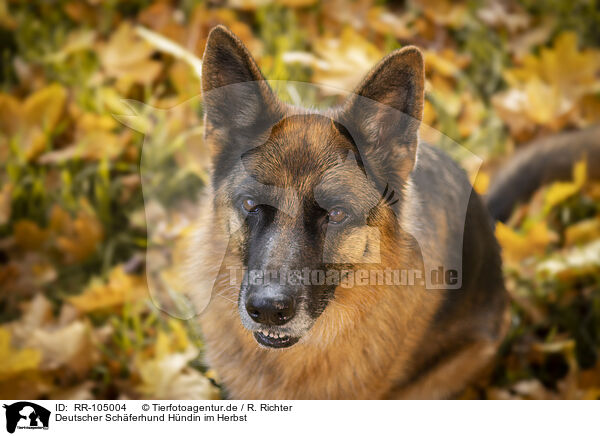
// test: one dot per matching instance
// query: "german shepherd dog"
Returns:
(294, 189)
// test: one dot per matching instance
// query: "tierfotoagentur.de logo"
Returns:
(25, 415)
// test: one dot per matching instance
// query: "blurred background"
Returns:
(76, 319)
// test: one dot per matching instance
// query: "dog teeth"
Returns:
(272, 335)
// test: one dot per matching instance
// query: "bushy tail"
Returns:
(543, 161)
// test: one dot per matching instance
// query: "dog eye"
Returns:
(337, 215)
(250, 205)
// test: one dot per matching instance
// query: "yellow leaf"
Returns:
(545, 103)
(481, 182)
(516, 247)
(119, 289)
(32, 121)
(560, 191)
(180, 337)
(90, 122)
(45, 107)
(564, 65)
(471, 116)
(546, 89)
(583, 231)
(444, 12)
(162, 346)
(14, 361)
(447, 62)
(76, 238)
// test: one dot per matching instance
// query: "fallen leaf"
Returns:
(546, 89)
(15, 361)
(444, 12)
(560, 191)
(516, 246)
(167, 376)
(29, 236)
(70, 347)
(78, 238)
(120, 288)
(31, 123)
(127, 58)
(583, 231)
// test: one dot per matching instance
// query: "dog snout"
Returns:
(270, 309)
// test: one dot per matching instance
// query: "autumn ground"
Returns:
(76, 317)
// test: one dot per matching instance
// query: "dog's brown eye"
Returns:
(337, 215)
(250, 205)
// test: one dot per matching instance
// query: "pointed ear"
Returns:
(235, 93)
(386, 109)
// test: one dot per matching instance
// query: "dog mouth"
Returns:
(274, 340)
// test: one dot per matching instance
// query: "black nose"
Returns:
(270, 310)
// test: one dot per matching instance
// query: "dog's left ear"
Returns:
(386, 109)
(236, 95)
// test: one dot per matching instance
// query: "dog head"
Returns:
(306, 195)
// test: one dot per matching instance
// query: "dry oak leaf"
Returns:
(168, 376)
(63, 343)
(71, 347)
(546, 89)
(120, 288)
(29, 236)
(31, 123)
(127, 58)
(77, 238)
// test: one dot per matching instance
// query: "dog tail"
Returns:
(543, 161)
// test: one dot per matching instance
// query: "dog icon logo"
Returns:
(26, 415)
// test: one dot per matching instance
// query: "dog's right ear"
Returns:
(235, 93)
